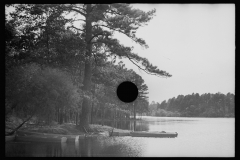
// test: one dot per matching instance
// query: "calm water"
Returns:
(197, 137)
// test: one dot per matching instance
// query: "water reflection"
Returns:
(94, 146)
(140, 125)
(201, 137)
(20, 149)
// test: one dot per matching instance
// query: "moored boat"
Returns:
(27, 133)
(38, 138)
(115, 133)
(10, 138)
(70, 138)
(154, 134)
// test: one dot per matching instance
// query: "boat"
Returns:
(154, 134)
(10, 138)
(27, 133)
(39, 138)
(70, 138)
(115, 133)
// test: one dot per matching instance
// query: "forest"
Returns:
(57, 71)
(195, 105)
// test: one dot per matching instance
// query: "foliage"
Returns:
(206, 105)
(39, 90)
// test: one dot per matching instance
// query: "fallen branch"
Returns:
(20, 125)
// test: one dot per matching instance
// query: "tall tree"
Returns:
(100, 21)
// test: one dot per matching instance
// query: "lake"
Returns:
(197, 137)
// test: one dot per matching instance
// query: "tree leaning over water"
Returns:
(99, 22)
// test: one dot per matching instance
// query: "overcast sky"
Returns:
(195, 43)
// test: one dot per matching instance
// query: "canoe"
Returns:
(38, 138)
(154, 134)
(119, 133)
(26, 133)
(10, 138)
(70, 138)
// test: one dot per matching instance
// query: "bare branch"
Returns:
(80, 20)
(118, 30)
(12, 132)
(78, 11)
(80, 8)
(95, 36)
(76, 28)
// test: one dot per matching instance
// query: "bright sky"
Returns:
(195, 43)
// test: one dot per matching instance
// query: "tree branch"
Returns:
(80, 20)
(95, 36)
(113, 12)
(118, 30)
(141, 67)
(21, 125)
(76, 28)
(80, 8)
(78, 11)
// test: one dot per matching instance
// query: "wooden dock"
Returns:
(155, 134)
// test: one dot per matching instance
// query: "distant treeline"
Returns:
(195, 105)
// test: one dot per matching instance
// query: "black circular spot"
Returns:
(127, 91)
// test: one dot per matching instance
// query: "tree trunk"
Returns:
(56, 117)
(93, 93)
(61, 116)
(102, 114)
(87, 71)
(64, 116)
(92, 113)
(134, 113)
(76, 118)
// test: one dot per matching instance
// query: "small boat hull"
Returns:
(70, 138)
(119, 133)
(154, 134)
(40, 139)
(9, 138)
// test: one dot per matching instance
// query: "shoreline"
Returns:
(71, 129)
